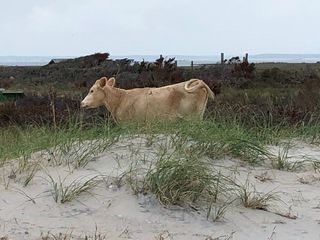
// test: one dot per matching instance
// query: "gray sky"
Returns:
(186, 27)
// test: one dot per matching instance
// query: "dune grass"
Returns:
(251, 198)
(184, 172)
(185, 177)
(175, 181)
(18, 141)
(216, 138)
(63, 192)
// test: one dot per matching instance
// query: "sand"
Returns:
(117, 213)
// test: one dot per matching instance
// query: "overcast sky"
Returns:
(186, 27)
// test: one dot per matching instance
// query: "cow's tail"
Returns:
(194, 84)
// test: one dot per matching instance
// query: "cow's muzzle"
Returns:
(83, 105)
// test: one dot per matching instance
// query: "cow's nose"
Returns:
(82, 104)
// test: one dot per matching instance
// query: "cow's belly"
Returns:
(164, 106)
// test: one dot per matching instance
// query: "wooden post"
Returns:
(176, 63)
(247, 57)
(191, 64)
(222, 58)
(52, 97)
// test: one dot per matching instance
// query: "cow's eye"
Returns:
(91, 91)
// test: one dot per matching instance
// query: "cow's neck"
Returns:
(113, 99)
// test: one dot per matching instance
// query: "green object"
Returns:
(10, 95)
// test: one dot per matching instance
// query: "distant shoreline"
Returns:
(182, 60)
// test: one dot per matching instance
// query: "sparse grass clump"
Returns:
(250, 198)
(77, 153)
(281, 162)
(31, 172)
(71, 236)
(63, 192)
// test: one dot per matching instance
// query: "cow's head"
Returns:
(97, 93)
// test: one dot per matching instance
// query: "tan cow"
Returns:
(183, 100)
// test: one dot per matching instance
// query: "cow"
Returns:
(182, 100)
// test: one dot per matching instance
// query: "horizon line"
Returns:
(196, 55)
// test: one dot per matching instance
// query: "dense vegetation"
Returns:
(268, 99)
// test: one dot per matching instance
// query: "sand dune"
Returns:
(115, 212)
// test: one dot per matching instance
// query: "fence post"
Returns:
(222, 58)
(247, 57)
(191, 64)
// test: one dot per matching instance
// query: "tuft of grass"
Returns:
(316, 166)
(63, 193)
(281, 161)
(250, 151)
(31, 172)
(77, 153)
(250, 198)
(71, 236)
(175, 181)
(217, 212)
(178, 181)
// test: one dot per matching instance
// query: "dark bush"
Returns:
(274, 108)
(43, 110)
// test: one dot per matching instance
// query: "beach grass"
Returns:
(216, 137)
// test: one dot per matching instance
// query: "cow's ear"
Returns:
(111, 81)
(102, 81)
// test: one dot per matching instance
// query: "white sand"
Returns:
(119, 214)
